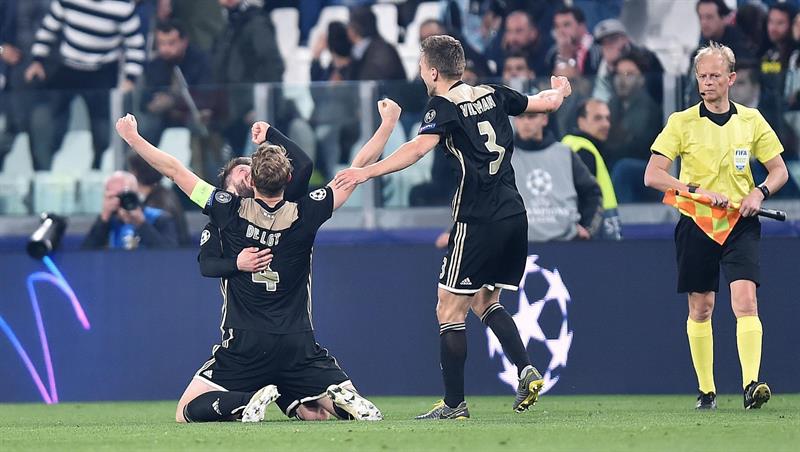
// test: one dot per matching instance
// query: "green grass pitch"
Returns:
(584, 423)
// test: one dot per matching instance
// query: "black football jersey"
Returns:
(278, 299)
(477, 137)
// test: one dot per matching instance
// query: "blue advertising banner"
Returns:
(597, 318)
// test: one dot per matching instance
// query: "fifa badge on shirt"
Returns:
(740, 158)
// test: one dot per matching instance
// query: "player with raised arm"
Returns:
(268, 340)
(235, 177)
(488, 244)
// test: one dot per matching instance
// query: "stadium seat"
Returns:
(177, 142)
(425, 11)
(386, 13)
(14, 189)
(91, 189)
(54, 192)
(287, 30)
(18, 161)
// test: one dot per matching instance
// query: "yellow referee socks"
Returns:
(748, 340)
(701, 344)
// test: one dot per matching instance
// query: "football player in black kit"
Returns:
(488, 243)
(268, 340)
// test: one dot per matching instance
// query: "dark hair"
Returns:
(145, 174)
(445, 54)
(722, 8)
(582, 113)
(786, 8)
(338, 42)
(637, 57)
(168, 26)
(517, 54)
(529, 16)
(225, 171)
(576, 12)
(363, 22)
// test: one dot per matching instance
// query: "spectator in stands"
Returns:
(594, 123)
(91, 37)
(599, 10)
(164, 102)
(18, 22)
(516, 72)
(746, 90)
(562, 198)
(713, 16)
(774, 62)
(433, 27)
(335, 118)
(124, 224)
(521, 36)
(563, 119)
(636, 120)
(478, 22)
(375, 59)
(246, 52)
(203, 19)
(154, 194)
(751, 20)
(573, 42)
(613, 40)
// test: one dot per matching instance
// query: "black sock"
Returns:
(453, 346)
(217, 406)
(502, 324)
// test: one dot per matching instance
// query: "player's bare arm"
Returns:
(164, 163)
(777, 175)
(372, 149)
(657, 176)
(405, 156)
(551, 99)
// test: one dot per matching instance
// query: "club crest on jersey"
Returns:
(740, 158)
(222, 197)
(430, 116)
(318, 195)
(204, 236)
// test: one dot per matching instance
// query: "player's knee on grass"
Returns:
(312, 411)
(701, 306)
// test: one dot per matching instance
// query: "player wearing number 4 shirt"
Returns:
(268, 339)
(488, 243)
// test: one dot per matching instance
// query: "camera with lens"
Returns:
(129, 200)
(47, 236)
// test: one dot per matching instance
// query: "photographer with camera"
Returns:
(124, 223)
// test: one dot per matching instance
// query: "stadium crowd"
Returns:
(193, 64)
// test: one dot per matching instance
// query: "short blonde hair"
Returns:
(271, 169)
(715, 48)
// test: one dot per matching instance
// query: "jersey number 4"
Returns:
(269, 278)
(485, 128)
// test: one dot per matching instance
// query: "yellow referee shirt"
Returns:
(717, 157)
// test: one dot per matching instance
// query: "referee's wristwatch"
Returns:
(764, 191)
(693, 188)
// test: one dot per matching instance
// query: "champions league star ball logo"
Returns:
(542, 320)
(539, 182)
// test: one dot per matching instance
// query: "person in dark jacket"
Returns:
(128, 225)
(244, 54)
(153, 194)
(375, 59)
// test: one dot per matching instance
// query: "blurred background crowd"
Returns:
(198, 73)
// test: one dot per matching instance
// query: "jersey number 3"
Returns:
(269, 278)
(485, 128)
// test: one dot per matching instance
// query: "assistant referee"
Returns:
(715, 140)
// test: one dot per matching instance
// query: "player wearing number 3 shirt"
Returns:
(488, 243)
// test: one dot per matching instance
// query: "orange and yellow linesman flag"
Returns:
(716, 222)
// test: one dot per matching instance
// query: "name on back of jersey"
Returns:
(477, 107)
(262, 236)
